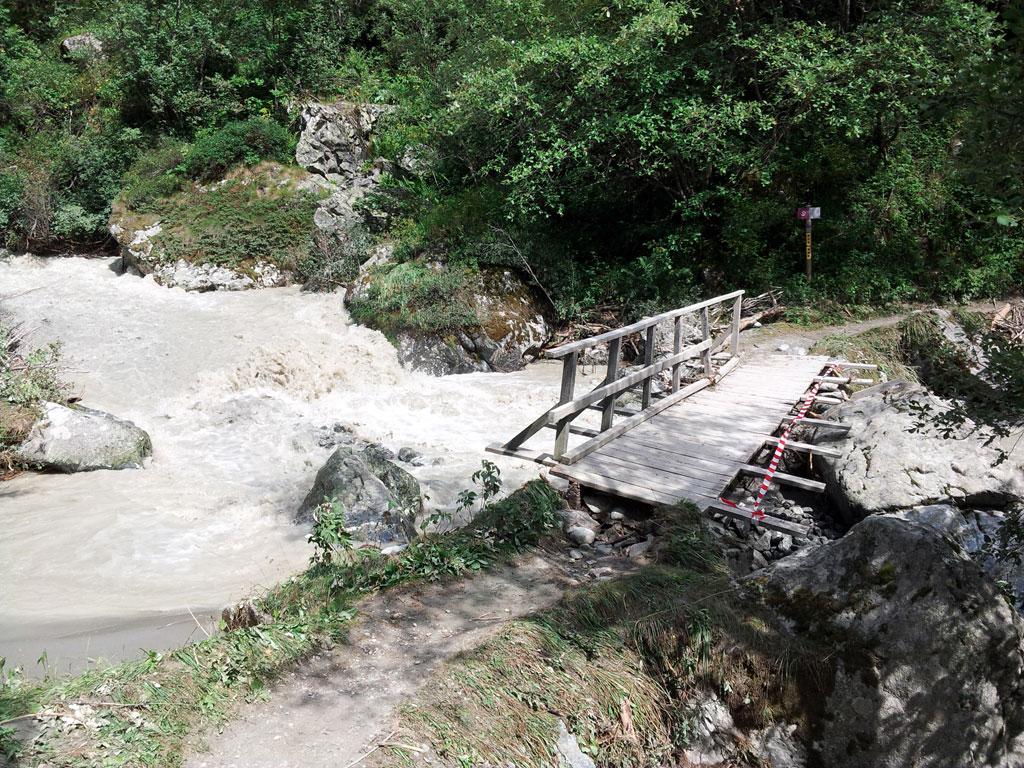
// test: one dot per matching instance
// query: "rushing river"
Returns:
(235, 389)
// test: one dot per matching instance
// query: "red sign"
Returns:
(806, 212)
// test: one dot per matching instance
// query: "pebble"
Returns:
(580, 535)
(575, 554)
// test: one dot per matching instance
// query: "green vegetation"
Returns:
(630, 154)
(254, 216)
(145, 710)
(618, 662)
(28, 375)
(413, 295)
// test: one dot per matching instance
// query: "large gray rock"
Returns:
(85, 47)
(886, 463)
(381, 500)
(81, 439)
(976, 530)
(926, 655)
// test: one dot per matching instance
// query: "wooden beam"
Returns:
(652, 333)
(571, 408)
(820, 450)
(822, 423)
(769, 522)
(608, 406)
(640, 325)
(782, 478)
(566, 394)
(526, 454)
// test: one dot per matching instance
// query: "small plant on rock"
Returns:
(329, 535)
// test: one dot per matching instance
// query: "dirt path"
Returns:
(333, 708)
(767, 339)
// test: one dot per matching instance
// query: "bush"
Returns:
(413, 295)
(332, 262)
(155, 175)
(244, 141)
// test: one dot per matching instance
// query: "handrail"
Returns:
(561, 415)
(639, 325)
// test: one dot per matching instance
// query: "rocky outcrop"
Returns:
(895, 456)
(380, 499)
(511, 327)
(141, 239)
(85, 47)
(335, 145)
(926, 655)
(80, 439)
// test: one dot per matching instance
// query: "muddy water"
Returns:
(234, 389)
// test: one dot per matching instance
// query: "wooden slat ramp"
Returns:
(694, 449)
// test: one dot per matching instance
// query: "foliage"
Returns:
(256, 216)
(329, 536)
(488, 477)
(423, 297)
(216, 151)
(156, 174)
(27, 374)
(332, 261)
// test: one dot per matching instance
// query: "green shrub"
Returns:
(332, 262)
(242, 141)
(238, 223)
(156, 174)
(415, 296)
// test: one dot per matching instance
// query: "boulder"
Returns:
(80, 439)
(141, 236)
(976, 530)
(511, 327)
(381, 500)
(896, 457)
(568, 749)
(85, 47)
(925, 655)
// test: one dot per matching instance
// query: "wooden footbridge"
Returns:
(702, 417)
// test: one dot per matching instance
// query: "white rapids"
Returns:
(232, 388)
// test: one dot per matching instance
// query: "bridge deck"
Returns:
(693, 450)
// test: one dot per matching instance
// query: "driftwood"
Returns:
(1009, 320)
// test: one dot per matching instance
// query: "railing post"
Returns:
(608, 414)
(737, 309)
(648, 360)
(705, 321)
(568, 388)
(677, 346)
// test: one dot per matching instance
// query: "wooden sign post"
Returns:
(807, 214)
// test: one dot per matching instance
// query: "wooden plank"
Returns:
(608, 406)
(822, 423)
(717, 465)
(576, 430)
(806, 448)
(783, 479)
(723, 422)
(607, 436)
(610, 485)
(677, 345)
(640, 325)
(651, 477)
(721, 469)
(566, 394)
(737, 310)
(523, 453)
(705, 324)
(725, 452)
(771, 523)
(645, 399)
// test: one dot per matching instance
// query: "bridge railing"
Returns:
(560, 417)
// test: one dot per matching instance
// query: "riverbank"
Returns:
(237, 391)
